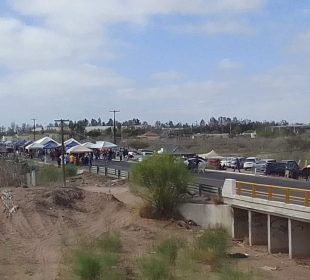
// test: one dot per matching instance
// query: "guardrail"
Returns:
(193, 188)
(108, 171)
(274, 193)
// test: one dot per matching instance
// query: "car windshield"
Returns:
(250, 160)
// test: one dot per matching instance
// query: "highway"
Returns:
(217, 178)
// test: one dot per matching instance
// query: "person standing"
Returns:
(237, 165)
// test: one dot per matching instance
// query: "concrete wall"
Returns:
(208, 215)
(278, 235)
(258, 233)
(300, 236)
(240, 225)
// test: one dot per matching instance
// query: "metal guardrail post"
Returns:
(200, 190)
(270, 193)
(238, 191)
(287, 196)
(253, 191)
(306, 202)
(105, 171)
(118, 173)
(98, 169)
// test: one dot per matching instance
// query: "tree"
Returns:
(99, 121)
(202, 123)
(165, 180)
(110, 122)
(93, 122)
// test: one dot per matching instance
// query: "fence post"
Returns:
(33, 178)
(105, 171)
(200, 190)
(97, 169)
(118, 173)
(219, 192)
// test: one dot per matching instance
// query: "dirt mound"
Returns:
(32, 240)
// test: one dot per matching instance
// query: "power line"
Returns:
(34, 129)
(114, 129)
(63, 149)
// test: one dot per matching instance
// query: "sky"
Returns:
(179, 60)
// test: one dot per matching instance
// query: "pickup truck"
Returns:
(289, 167)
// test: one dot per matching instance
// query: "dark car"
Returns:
(281, 168)
(260, 166)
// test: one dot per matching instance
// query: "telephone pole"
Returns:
(114, 129)
(63, 150)
(34, 129)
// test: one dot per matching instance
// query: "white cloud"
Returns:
(228, 64)
(301, 43)
(215, 28)
(168, 76)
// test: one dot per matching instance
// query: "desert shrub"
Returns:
(87, 267)
(169, 249)
(154, 268)
(99, 259)
(52, 174)
(49, 174)
(71, 170)
(211, 247)
(111, 242)
(165, 180)
(138, 145)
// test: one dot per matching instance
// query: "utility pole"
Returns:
(63, 150)
(34, 129)
(114, 129)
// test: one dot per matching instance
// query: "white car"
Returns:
(226, 162)
(249, 163)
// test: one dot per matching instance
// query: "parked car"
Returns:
(249, 163)
(260, 166)
(281, 168)
(226, 162)
(233, 162)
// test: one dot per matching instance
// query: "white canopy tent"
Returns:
(41, 143)
(103, 145)
(211, 155)
(79, 149)
(87, 144)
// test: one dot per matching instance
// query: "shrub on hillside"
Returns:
(138, 145)
(165, 180)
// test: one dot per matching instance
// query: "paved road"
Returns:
(217, 178)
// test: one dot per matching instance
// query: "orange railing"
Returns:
(274, 193)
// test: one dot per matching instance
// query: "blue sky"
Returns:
(162, 60)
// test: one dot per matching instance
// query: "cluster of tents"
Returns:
(71, 145)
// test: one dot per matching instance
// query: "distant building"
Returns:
(98, 128)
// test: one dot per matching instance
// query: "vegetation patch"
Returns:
(165, 181)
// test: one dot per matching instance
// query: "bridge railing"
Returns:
(274, 193)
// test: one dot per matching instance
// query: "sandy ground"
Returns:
(34, 239)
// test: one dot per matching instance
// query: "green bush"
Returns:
(99, 259)
(87, 267)
(71, 170)
(165, 180)
(169, 249)
(155, 268)
(110, 242)
(49, 174)
(212, 247)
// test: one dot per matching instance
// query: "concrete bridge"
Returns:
(278, 217)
